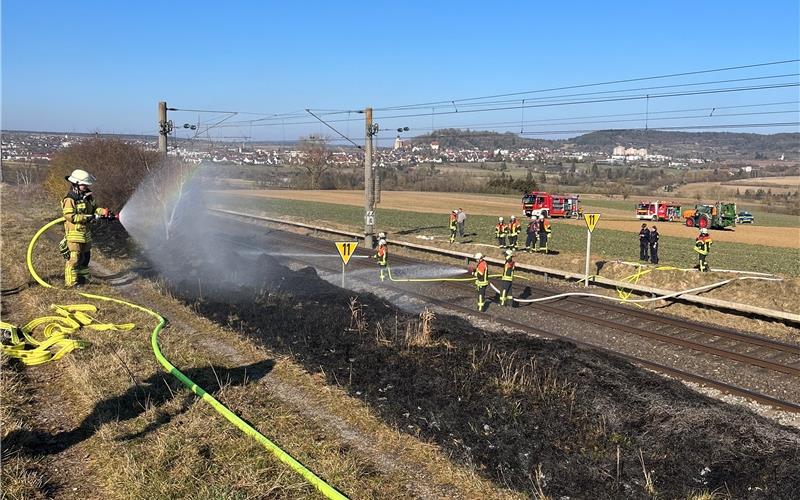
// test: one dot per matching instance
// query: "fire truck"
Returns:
(658, 211)
(550, 205)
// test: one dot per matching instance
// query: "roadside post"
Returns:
(346, 250)
(591, 222)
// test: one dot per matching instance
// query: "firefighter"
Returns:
(501, 232)
(453, 225)
(533, 233)
(513, 232)
(481, 274)
(644, 242)
(79, 210)
(544, 234)
(654, 245)
(382, 254)
(702, 245)
(507, 279)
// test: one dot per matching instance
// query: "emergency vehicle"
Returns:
(550, 205)
(658, 211)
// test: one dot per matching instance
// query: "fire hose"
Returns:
(73, 317)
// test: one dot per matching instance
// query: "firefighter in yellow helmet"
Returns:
(79, 210)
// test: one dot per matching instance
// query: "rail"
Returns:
(773, 314)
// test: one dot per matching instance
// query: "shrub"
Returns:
(118, 166)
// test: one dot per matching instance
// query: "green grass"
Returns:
(567, 238)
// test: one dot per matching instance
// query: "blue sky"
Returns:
(102, 66)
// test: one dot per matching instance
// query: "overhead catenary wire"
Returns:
(529, 105)
(276, 117)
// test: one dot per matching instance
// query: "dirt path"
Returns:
(784, 237)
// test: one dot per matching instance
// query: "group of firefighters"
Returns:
(80, 210)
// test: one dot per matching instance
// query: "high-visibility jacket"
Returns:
(78, 210)
(508, 270)
(546, 225)
(382, 254)
(481, 273)
(513, 228)
(500, 230)
(702, 245)
(453, 221)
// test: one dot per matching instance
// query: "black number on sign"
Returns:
(591, 220)
(346, 249)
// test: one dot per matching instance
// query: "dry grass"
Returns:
(128, 430)
(420, 334)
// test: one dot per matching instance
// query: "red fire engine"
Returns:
(550, 205)
(658, 211)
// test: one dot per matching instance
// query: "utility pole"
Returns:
(369, 183)
(164, 128)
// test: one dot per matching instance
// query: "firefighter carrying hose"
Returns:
(382, 254)
(702, 245)
(481, 274)
(507, 279)
(79, 210)
(513, 232)
(453, 226)
(501, 233)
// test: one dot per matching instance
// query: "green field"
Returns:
(566, 238)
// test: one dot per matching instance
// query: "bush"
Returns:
(118, 166)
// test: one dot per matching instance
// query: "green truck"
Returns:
(716, 216)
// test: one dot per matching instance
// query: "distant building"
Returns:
(435, 145)
(619, 151)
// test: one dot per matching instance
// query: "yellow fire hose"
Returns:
(73, 317)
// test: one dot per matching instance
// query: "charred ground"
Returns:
(533, 415)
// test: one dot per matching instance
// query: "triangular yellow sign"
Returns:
(591, 220)
(346, 249)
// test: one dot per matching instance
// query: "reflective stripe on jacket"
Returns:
(382, 254)
(481, 273)
(453, 221)
(76, 210)
(702, 245)
(508, 271)
(513, 228)
(500, 230)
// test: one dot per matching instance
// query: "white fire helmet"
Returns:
(478, 256)
(703, 231)
(513, 217)
(382, 235)
(500, 219)
(81, 177)
(509, 253)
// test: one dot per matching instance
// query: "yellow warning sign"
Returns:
(591, 220)
(346, 249)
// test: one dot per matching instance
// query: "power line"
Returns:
(596, 84)
(633, 97)
(330, 127)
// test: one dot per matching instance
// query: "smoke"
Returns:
(168, 220)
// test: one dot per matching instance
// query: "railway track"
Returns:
(772, 358)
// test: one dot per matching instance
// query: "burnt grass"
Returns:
(529, 414)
